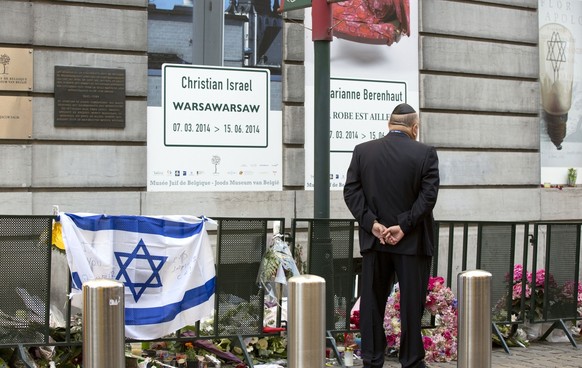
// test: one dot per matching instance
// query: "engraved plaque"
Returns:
(15, 117)
(15, 69)
(89, 97)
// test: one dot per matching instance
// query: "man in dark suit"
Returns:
(391, 189)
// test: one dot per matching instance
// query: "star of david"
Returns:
(155, 263)
(556, 52)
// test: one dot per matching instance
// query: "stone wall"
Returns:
(94, 169)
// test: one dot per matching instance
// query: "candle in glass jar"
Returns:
(349, 357)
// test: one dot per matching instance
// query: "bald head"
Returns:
(404, 118)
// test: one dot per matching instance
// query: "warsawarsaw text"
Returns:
(217, 107)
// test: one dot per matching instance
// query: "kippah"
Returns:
(403, 109)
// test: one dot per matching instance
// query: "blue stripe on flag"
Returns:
(137, 224)
(166, 313)
(77, 283)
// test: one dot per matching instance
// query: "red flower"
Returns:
(355, 319)
(391, 340)
(427, 342)
(433, 281)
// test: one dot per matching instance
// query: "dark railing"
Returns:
(25, 270)
(330, 254)
(500, 248)
(555, 291)
(496, 247)
(241, 245)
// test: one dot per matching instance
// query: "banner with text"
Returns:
(374, 67)
(214, 131)
(214, 106)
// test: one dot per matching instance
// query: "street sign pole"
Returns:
(322, 36)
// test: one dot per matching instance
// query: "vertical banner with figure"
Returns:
(560, 65)
(374, 67)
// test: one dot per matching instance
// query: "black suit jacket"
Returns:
(394, 180)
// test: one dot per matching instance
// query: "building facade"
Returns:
(479, 105)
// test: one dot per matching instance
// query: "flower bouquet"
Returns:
(277, 266)
(440, 342)
(533, 293)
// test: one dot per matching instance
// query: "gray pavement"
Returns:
(539, 354)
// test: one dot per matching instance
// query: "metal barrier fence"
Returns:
(330, 247)
(555, 291)
(330, 255)
(524, 287)
(496, 247)
(25, 260)
(239, 301)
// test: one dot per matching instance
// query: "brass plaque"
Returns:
(89, 97)
(15, 117)
(15, 69)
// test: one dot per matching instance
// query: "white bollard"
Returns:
(474, 323)
(103, 324)
(306, 322)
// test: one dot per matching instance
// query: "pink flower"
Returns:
(430, 300)
(540, 277)
(516, 295)
(535, 282)
(517, 272)
(435, 281)
(427, 342)
(391, 340)
(355, 319)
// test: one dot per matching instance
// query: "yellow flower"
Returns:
(263, 343)
(57, 236)
(224, 344)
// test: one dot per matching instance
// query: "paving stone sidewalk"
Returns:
(539, 354)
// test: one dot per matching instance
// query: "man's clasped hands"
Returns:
(387, 235)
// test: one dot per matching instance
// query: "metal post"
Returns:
(322, 36)
(103, 324)
(322, 245)
(474, 292)
(207, 32)
(306, 322)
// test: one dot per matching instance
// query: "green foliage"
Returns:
(260, 349)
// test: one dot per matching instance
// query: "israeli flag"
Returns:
(166, 264)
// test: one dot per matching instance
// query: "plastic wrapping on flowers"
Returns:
(440, 342)
(277, 266)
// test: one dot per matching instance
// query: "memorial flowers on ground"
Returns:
(440, 341)
(534, 290)
(538, 292)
